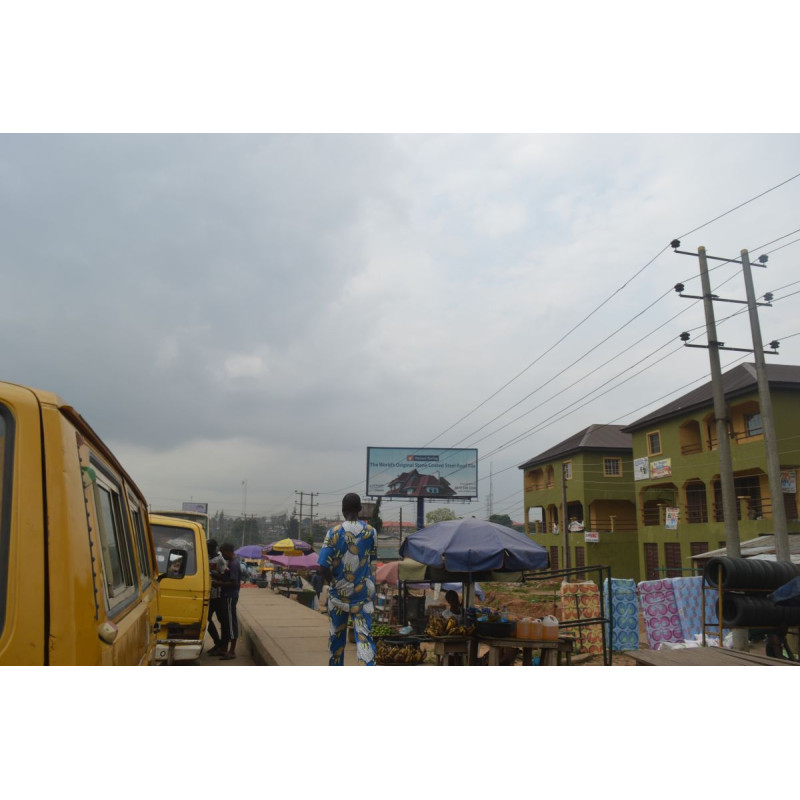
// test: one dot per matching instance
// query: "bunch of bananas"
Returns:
(438, 626)
(387, 654)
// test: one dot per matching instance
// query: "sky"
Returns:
(261, 308)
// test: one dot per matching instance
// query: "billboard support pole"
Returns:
(420, 513)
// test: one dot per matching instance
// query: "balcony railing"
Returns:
(691, 449)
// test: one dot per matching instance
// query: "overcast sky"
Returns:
(262, 308)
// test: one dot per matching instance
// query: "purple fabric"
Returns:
(661, 618)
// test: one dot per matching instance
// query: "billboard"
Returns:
(431, 472)
(198, 508)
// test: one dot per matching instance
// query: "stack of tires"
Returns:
(745, 584)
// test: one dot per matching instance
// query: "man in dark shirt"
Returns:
(229, 594)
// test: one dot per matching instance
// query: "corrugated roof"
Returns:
(595, 437)
(737, 381)
(761, 547)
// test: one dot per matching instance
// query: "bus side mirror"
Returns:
(176, 565)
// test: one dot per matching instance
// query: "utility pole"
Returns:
(300, 519)
(489, 504)
(244, 510)
(767, 420)
(311, 518)
(564, 520)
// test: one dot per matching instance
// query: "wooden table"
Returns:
(458, 647)
(551, 650)
(705, 657)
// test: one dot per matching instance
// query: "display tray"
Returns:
(452, 638)
(401, 640)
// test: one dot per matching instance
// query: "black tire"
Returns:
(749, 573)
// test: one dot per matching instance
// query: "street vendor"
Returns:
(454, 603)
(348, 563)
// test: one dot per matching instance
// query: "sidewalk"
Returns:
(284, 633)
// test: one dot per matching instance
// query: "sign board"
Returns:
(591, 536)
(671, 519)
(430, 472)
(661, 469)
(198, 508)
(789, 481)
(641, 469)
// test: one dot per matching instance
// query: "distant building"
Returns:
(597, 466)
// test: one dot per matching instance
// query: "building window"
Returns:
(654, 443)
(672, 555)
(651, 561)
(752, 424)
(696, 503)
(612, 467)
(554, 557)
(568, 470)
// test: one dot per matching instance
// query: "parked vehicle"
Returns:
(184, 602)
(192, 516)
(78, 579)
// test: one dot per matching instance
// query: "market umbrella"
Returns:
(307, 561)
(457, 549)
(395, 571)
(289, 547)
(474, 545)
(788, 594)
(251, 551)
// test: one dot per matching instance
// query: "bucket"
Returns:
(549, 629)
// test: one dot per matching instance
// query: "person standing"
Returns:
(217, 567)
(347, 561)
(229, 593)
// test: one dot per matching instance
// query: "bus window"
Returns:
(6, 474)
(118, 571)
(168, 538)
(142, 552)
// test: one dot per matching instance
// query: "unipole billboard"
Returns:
(433, 473)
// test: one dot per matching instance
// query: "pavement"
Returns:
(281, 632)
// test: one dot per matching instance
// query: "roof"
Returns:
(735, 382)
(595, 437)
(762, 547)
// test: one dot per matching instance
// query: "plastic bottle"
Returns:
(522, 628)
(535, 630)
(550, 629)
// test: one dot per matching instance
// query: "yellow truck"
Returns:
(78, 577)
(183, 603)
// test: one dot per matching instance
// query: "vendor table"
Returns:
(458, 647)
(551, 650)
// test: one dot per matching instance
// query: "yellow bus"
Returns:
(192, 516)
(78, 578)
(183, 603)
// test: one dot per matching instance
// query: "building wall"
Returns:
(601, 498)
(694, 461)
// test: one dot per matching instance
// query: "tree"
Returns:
(501, 519)
(440, 515)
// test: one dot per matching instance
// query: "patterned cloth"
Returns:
(347, 551)
(624, 613)
(661, 618)
(582, 601)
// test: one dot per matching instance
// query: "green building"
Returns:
(596, 468)
(677, 473)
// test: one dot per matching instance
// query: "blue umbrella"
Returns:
(474, 545)
(788, 594)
